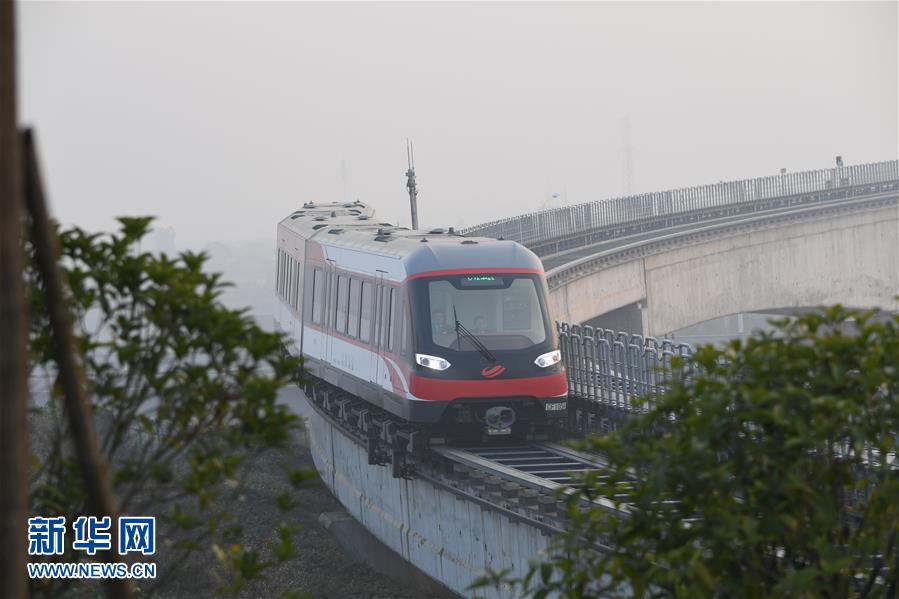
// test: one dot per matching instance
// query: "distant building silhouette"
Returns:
(164, 240)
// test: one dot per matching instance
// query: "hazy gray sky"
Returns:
(220, 118)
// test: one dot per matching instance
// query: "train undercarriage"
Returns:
(393, 441)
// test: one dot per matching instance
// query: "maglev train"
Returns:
(434, 327)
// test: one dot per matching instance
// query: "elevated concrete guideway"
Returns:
(846, 257)
(687, 256)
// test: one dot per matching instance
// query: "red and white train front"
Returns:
(484, 342)
(441, 330)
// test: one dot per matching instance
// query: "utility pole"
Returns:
(628, 157)
(13, 331)
(410, 184)
(343, 178)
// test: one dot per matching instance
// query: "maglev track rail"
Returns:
(524, 482)
(546, 466)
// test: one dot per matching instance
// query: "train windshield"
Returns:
(502, 312)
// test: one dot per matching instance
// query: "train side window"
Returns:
(391, 320)
(376, 315)
(375, 296)
(381, 326)
(332, 300)
(281, 273)
(278, 272)
(317, 293)
(296, 286)
(290, 277)
(330, 309)
(366, 312)
(355, 302)
(404, 339)
(295, 282)
(284, 265)
(342, 303)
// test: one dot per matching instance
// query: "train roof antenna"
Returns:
(410, 184)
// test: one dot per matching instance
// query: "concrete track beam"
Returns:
(850, 258)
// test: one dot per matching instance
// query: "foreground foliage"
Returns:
(183, 391)
(760, 474)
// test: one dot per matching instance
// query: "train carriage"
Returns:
(433, 327)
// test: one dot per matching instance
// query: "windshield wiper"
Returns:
(460, 329)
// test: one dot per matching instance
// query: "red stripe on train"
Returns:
(552, 385)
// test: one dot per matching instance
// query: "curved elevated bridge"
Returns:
(685, 256)
(688, 255)
(454, 512)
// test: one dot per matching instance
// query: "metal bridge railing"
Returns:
(613, 376)
(613, 369)
(537, 227)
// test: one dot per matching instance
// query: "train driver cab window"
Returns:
(366, 312)
(318, 292)
(503, 312)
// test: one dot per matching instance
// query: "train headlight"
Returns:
(547, 360)
(432, 362)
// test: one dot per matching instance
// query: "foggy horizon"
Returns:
(275, 392)
(221, 118)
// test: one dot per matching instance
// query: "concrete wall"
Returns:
(849, 259)
(450, 539)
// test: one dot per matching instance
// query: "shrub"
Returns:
(183, 391)
(763, 474)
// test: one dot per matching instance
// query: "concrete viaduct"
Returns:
(686, 256)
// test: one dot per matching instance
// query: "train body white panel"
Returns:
(351, 358)
(365, 262)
